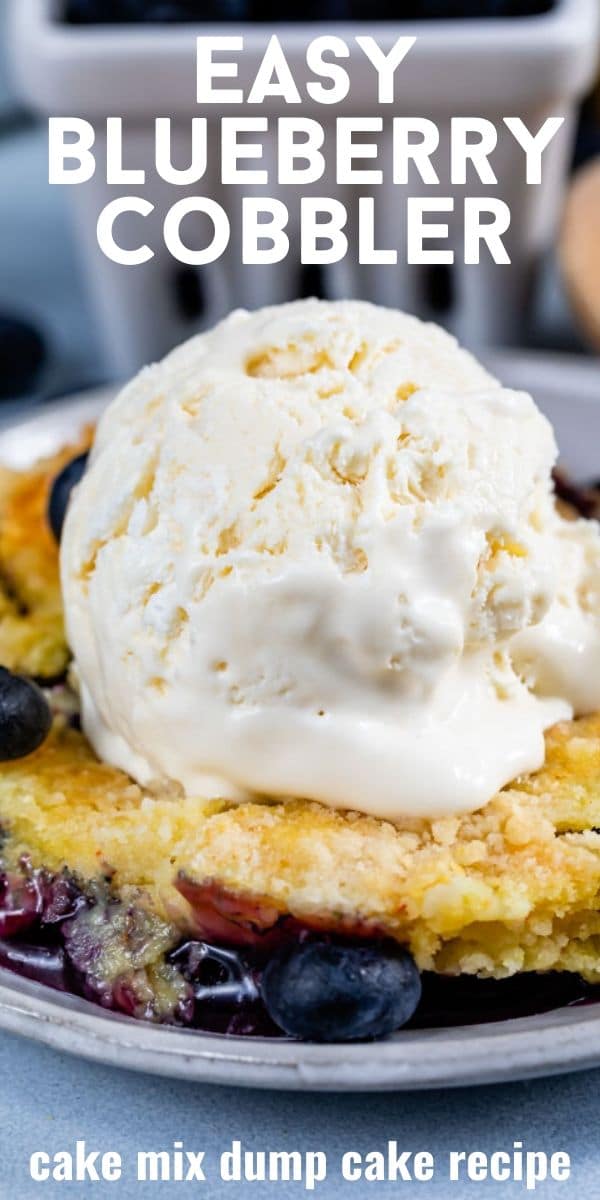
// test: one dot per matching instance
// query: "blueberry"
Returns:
(340, 992)
(25, 717)
(61, 491)
(22, 354)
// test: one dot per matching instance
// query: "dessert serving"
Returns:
(300, 726)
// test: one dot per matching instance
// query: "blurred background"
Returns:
(55, 331)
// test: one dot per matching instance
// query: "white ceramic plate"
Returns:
(567, 1039)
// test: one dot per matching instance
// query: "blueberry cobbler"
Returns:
(300, 694)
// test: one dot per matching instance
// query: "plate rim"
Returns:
(553, 1043)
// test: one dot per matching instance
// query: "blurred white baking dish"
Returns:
(532, 67)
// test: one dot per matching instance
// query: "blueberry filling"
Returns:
(317, 988)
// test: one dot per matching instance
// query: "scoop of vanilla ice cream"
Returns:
(316, 554)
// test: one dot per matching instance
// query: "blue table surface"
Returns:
(49, 1100)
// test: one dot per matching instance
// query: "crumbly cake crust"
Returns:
(513, 887)
(32, 636)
